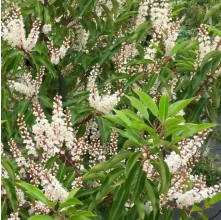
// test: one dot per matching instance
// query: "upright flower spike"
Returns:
(29, 144)
(51, 136)
(13, 30)
(57, 54)
(54, 53)
(33, 36)
(103, 103)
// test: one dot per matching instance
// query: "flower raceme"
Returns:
(14, 33)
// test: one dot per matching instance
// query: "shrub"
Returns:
(105, 107)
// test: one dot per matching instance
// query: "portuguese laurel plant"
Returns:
(105, 110)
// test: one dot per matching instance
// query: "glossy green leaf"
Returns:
(178, 47)
(192, 44)
(22, 106)
(118, 205)
(197, 128)
(50, 162)
(99, 167)
(40, 217)
(215, 198)
(129, 143)
(140, 209)
(17, 62)
(8, 124)
(208, 57)
(131, 177)
(115, 119)
(131, 161)
(176, 107)
(132, 115)
(213, 29)
(140, 183)
(165, 175)
(212, 11)
(68, 180)
(150, 83)
(164, 108)
(94, 176)
(215, 63)
(153, 195)
(174, 121)
(139, 106)
(148, 102)
(82, 216)
(141, 126)
(70, 202)
(122, 117)
(138, 61)
(117, 158)
(196, 208)
(72, 193)
(39, 10)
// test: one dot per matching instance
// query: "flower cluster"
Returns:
(14, 216)
(38, 176)
(51, 136)
(46, 28)
(28, 86)
(13, 30)
(105, 102)
(126, 53)
(38, 208)
(206, 45)
(142, 13)
(57, 54)
(186, 189)
(80, 39)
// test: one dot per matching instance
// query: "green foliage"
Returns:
(163, 94)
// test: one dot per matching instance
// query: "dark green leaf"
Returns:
(3, 211)
(46, 102)
(11, 193)
(118, 205)
(8, 167)
(153, 195)
(131, 161)
(69, 180)
(140, 183)
(61, 172)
